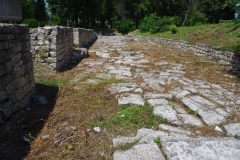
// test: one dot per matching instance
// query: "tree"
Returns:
(40, 11)
(28, 9)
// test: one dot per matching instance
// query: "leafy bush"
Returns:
(31, 22)
(196, 18)
(125, 26)
(173, 29)
(150, 24)
(154, 24)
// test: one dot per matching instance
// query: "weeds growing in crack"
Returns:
(133, 117)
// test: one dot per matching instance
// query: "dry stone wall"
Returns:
(16, 69)
(54, 45)
(223, 57)
(84, 37)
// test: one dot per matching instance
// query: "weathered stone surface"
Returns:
(140, 151)
(6, 109)
(174, 129)
(132, 99)
(190, 120)
(199, 149)
(103, 54)
(3, 56)
(232, 129)
(123, 87)
(165, 111)
(157, 102)
(3, 70)
(3, 95)
(121, 72)
(155, 96)
(182, 94)
(204, 108)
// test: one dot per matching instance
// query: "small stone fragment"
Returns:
(97, 129)
(218, 129)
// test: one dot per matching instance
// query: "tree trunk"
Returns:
(186, 15)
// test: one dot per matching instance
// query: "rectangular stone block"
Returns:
(18, 83)
(3, 56)
(3, 95)
(6, 109)
(3, 45)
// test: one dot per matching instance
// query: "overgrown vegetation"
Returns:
(125, 26)
(158, 140)
(133, 117)
(225, 34)
(154, 24)
(31, 22)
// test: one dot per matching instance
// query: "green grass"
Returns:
(192, 112)
(53, 82)
(225, 35)
(133, 117)
(126, 146)
(158, 141)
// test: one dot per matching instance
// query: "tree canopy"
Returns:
(96, 13)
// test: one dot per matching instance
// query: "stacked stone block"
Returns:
(16, 69)
(223, 57)
(84, 37)
(52, 45)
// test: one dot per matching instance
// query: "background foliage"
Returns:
(143, 13)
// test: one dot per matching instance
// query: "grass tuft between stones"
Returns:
(133, 117)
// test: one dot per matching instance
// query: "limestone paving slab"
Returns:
(201, 148)
(232, 129)
(166, 111)
(132, 99)
(204, 108)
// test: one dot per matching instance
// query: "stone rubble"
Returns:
(187, 104)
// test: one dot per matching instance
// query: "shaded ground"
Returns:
(80, 97)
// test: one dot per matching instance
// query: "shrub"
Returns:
(125, 26)
(150, 24)
(154, 24)
(31, 22)
(173, 29)
(196, 18)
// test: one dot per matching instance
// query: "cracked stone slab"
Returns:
(155, 96)
(121, 72)
(166, 111)
(204, 108)
(163, 63)
(157, 102)
(132, 99)
(124, 87)
(190, 120)
(182, 94)
(144, 135)
(174, 129)
(201, 148)
(141, 152)
(155, 86)
(103, 54)
(232, 129)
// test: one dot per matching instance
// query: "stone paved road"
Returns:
(172, 88)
